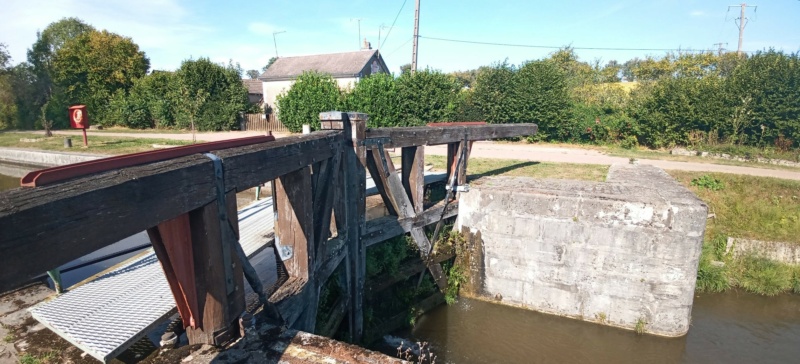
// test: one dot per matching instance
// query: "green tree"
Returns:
(8, 104)
(40, 57)
(226, 95)
(269, 63)
(766, 88)
(311, 94)
(494, 93)
(378, 96)
(406, 68)
(426, 96)
(91, 68)
(253, 74)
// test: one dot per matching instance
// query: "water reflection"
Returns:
(728, 328)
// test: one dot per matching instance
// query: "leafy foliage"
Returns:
(225, 95)
(93, 67)
(426, 96)
(378, 96)
(311, 94)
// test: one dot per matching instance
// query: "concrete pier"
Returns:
(622, 252)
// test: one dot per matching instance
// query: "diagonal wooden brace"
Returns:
(396, 193)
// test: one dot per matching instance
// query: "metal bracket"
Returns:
(226, 231)
(285, 252)
(462, 188)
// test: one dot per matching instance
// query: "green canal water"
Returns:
(732, 327)
(7, 182)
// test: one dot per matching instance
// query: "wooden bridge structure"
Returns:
(187, 206)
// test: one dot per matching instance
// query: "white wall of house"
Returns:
(274, 88)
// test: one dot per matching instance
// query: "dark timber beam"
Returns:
(45, 227)
(425, 135)
(387, 227)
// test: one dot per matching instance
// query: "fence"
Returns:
(262, 122)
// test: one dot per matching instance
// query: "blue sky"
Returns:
(170, 31)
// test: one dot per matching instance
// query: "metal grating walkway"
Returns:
(107, 315)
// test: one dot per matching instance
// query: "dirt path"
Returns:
(527, 152)
(543, 153)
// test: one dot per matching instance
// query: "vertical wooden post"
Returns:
(294, 232)
(353, 204)
(190, 249)
(413, 164)
(295, 226)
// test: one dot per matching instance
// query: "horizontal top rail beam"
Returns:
(433, 135)
(61, 173)
(45, 227)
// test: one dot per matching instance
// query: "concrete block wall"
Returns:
(621, 252)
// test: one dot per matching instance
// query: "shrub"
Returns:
(378, 96)
(426, 96)
(311, 94)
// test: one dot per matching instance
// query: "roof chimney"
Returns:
(366, 45)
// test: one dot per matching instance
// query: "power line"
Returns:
(401, 46)
(395, 21)
(557, 47)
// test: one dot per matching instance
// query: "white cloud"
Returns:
(161, 28)
(697, 13)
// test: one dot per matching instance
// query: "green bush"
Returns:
(226, 97)
(426, 96)
(378, 96)
(311, 94)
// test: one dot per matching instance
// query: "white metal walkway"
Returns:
(105, 316)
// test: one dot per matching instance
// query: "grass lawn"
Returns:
(749, 207)
(100, 145)
(119, 129)
(480, 167)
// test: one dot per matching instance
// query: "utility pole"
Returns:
(276, 42)
(719, 47)
(742, 22)
(382, 27)
(359, 30)
(416, 40)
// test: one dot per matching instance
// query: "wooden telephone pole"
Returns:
(414, 52)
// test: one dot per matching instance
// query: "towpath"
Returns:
(525, 152)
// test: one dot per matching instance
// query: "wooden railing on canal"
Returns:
(187, 207)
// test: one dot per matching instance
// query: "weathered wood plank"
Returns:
(56, 224)
(397, 195)
(413, 175)
(217, 308)
(253, 165)
(376, 178)
(425, 135)
(387, 227)
(294, 227)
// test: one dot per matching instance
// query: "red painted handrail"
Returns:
(61, 173)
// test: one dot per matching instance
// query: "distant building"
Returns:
(345, 68)
(255, 91)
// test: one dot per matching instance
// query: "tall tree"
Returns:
(253, 74)
(271, 61)
(8, 105)
(94, 66)
(41, 55)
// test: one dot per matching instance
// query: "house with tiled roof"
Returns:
(255, 91)
(346, 68)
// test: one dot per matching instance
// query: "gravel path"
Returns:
(488, 149)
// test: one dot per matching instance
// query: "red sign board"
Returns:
(78, 118)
